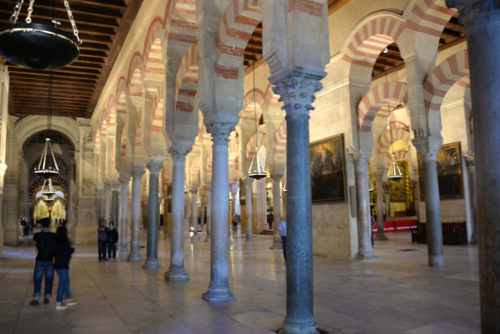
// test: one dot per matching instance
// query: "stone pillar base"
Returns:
(135, 257)
(249, 242)
(218, 295)
(299, 328)
(360, 256)
(176, 274)
(381, 237)
(277, 245)
(436, 261)
(151, 265)
(123, 254)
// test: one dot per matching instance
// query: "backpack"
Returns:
(45, 246)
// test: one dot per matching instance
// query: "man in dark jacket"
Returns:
(45, 241)
(102, 240)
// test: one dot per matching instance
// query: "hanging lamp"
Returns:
(284, 187)
(38, 46)
(48, 188)
(394, 173)
(47, 167)
(257, 169)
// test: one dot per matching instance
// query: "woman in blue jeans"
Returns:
(63, 251)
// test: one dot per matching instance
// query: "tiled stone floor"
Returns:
(395, 293)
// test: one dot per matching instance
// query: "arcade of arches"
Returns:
(174, 132)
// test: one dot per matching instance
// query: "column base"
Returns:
(364, 256)
(249, 242)
(176, 274)
(151, 265)
(123, 254)
(301, 328)
(381, 237)
(436, 261)
(218, 295)
(277, 245)
(135, 257)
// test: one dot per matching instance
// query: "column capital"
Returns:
(124, 178)
(137, 172)
(471, 10)
(361, 161)
(428, 147)
(220, 131)
(155, 164)
(296, 87)
(193, 189)
(179, 150)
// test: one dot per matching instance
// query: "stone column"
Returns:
(151, 263)
(135, 254)
(428, 147)
(471, 168)
(482, 26)
(176, 271)
(249, 211)
(122, 217)
(114, 203)
(297, 86)
(209, 212)
(107, 201)
(194, 213)
(219, 259)
(379, 177)
(277, 243)
(202, 218)
(365, 249)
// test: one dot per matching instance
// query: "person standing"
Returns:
(102, 239)
(62, 252)
(282, 229)
(112, 240)
(45, 242)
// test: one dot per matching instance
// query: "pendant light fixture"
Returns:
(47, 167)
(257, 169)
(38, 46)
(394, 173)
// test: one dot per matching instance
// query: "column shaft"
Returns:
(277, 243)
(380, 206)
(122, 217)
(151, 262)
(363, 199)
(135, 254)
(209, 213)
(249, 211)
(218, 289)
(176, 271)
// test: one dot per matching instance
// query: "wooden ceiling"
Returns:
(103, 27)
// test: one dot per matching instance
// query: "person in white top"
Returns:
(282, 229)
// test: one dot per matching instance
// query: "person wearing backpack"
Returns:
(44, 265)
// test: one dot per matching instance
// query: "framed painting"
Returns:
(449, 171)
(328, 170)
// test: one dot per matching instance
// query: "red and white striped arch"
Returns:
(398, 155)
(271, 99)
(453, 69)
(376, 98)
(429, 17)
(182, 26)
(154, 68)
(135, 81)
(252, 145)
(195, 168)
(187, 81)
(369, 39)
(237, 25)
(280, 143)
(248, 112)
(394, 132)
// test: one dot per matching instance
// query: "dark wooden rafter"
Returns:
(103, 27)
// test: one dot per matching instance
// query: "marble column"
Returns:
(135, 254)
(428, 147)
(151, 263)
(296, 87)
(277, 243)
(176, 271)
(218, 289)
(379, 177)
(122, 217)
(482, 28)
(249, 211)
(114, 203)
(202, 218)
(365, 249)
(209, 213)
(194, 213)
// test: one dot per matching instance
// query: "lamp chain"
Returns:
(17, 10)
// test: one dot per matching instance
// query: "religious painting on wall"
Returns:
(449, 171)
(327, 170)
